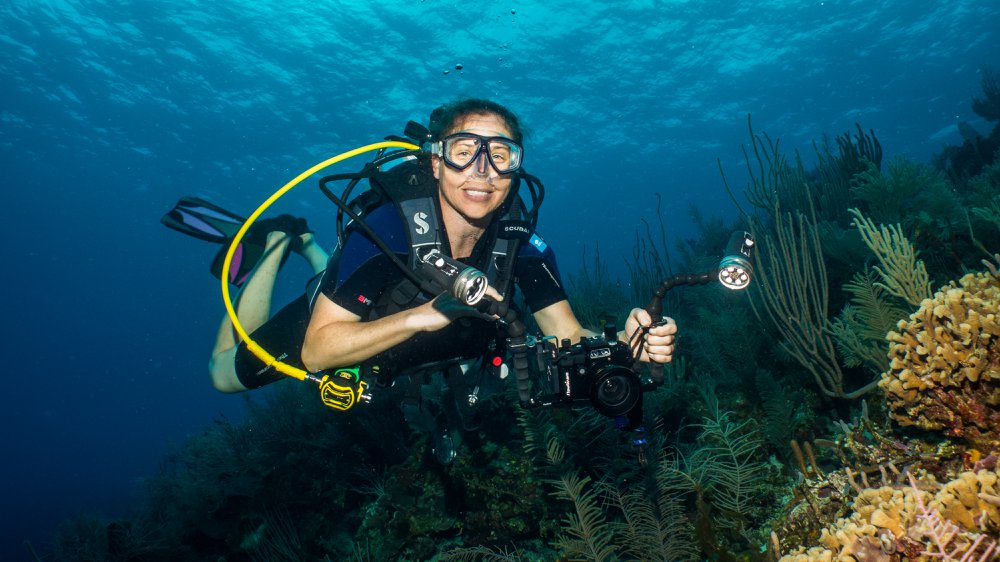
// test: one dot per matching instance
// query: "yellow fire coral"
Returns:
(970, 500)
(959, 519)
(944, 369)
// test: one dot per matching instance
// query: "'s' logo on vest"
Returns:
(420, 219)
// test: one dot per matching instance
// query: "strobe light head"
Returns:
(736, 267)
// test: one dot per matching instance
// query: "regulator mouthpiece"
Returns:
(466, 284)
(736, 267)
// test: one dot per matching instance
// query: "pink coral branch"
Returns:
(942, 532)
(972, 549)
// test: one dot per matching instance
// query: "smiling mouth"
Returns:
(477, 194)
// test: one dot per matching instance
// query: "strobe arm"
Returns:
(517, 344)
(655, 308)
(734, 272)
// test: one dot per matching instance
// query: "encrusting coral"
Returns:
(925, 521)
(944, 372)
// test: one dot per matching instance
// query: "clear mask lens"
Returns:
(461, 150)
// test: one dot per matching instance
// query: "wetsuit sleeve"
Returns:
(360, 271)
(538, 276)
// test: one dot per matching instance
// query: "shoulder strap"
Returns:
(411, 187)
(512, 230)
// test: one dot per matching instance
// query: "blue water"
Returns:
(110, 111)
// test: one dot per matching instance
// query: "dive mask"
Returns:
(461, 150)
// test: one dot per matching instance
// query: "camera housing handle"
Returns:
(517, 345)
(655, 308)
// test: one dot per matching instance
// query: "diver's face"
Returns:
(475, 192)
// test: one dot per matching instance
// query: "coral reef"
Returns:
(925, 521)
(902, 274)
(860, 329)
(295, 481)
(792, 290)
(916, 196)
(945, 363)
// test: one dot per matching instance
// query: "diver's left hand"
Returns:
(656, 345)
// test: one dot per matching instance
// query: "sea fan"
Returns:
(779, 410)
(728, 465)
(587, 535)
(655, 527)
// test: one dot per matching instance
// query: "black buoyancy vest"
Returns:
(413, 190)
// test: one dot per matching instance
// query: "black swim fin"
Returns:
(207, 221)
(203, 220)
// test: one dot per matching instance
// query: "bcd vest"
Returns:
(413, 191)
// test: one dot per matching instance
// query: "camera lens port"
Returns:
(616, 390)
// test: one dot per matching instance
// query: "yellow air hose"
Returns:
(254, 348)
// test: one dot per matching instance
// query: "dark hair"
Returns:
(444, 118)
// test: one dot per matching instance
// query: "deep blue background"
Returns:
(110, 111)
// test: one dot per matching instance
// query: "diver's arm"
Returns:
(337, 337)
(559, 320)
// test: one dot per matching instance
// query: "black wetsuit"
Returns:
(364, 281)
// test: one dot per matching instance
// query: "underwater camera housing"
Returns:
(602, 370)
(597, 370)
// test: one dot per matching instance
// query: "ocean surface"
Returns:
(111, 111)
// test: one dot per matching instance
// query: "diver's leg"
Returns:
(253, 308)
(313, 254)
